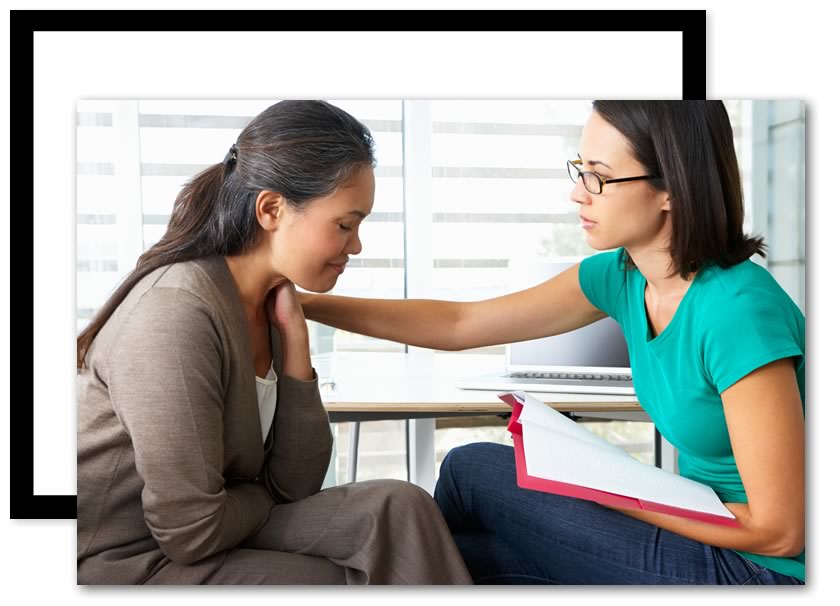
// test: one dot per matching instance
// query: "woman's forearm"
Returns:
(751, 536)
(297, 363)
(419, 322)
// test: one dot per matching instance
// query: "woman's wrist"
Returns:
(295, 328)
(297, 362)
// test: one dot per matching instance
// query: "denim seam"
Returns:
(749, 580)
(752, 565)
(759, 570)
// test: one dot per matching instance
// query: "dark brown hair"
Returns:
(302, 150)
(688, 146)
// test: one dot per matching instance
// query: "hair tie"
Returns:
(230, 157)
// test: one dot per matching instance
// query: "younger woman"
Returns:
(717, 351)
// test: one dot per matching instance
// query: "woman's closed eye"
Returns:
(344, 227)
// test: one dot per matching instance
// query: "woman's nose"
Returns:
(354, 246)
(580, 194)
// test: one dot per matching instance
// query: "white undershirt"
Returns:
(267, 399)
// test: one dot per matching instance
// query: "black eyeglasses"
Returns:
(593, 182)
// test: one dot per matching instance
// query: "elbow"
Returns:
(188, 540)
(450, 346)
(775, 532)
(290, 489)
(288, 484)
(283, 496)
(792, 545)
(784, 542)
(785, 550)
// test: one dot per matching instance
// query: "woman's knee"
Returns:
(479, 458)
(399, 494)
(473, 466)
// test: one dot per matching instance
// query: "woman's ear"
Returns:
(269, 209)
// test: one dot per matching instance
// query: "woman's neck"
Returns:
(254, 280)
(655, 264)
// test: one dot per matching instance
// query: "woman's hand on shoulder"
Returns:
(305, 298)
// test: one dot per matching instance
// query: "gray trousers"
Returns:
(377, 532)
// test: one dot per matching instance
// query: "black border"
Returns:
(23, 25)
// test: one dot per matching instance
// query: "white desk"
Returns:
(420, 386)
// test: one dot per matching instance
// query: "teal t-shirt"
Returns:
(729, 323)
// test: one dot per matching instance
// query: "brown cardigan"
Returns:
(171, 463)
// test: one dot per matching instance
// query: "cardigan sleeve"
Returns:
(302, 445)
(166, 382)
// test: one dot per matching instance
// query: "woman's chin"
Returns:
(319, 286)
(597, 243)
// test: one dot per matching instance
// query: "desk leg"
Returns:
(407, 449)
(657, 448)
(421, 453)
(353, 453)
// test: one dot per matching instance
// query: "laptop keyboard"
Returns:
(568, 376)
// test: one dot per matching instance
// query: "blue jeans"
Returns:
(512, 535)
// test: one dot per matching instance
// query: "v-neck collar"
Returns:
(675, 319)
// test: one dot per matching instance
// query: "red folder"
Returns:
(523, 480)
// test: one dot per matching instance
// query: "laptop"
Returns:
(593, 359)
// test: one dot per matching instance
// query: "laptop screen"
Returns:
(600, 344)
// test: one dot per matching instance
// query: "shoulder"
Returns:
(743, 320)
(746, 284)
(181, 297)
(171, 312)
(744, 306)
(612, 260)
(203, 283)
(200, 278)
(182, 303)
(605, 269)
(745, 274)
(603, 278)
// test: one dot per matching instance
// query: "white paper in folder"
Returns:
(557, 448)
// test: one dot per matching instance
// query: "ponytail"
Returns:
(181, 242)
